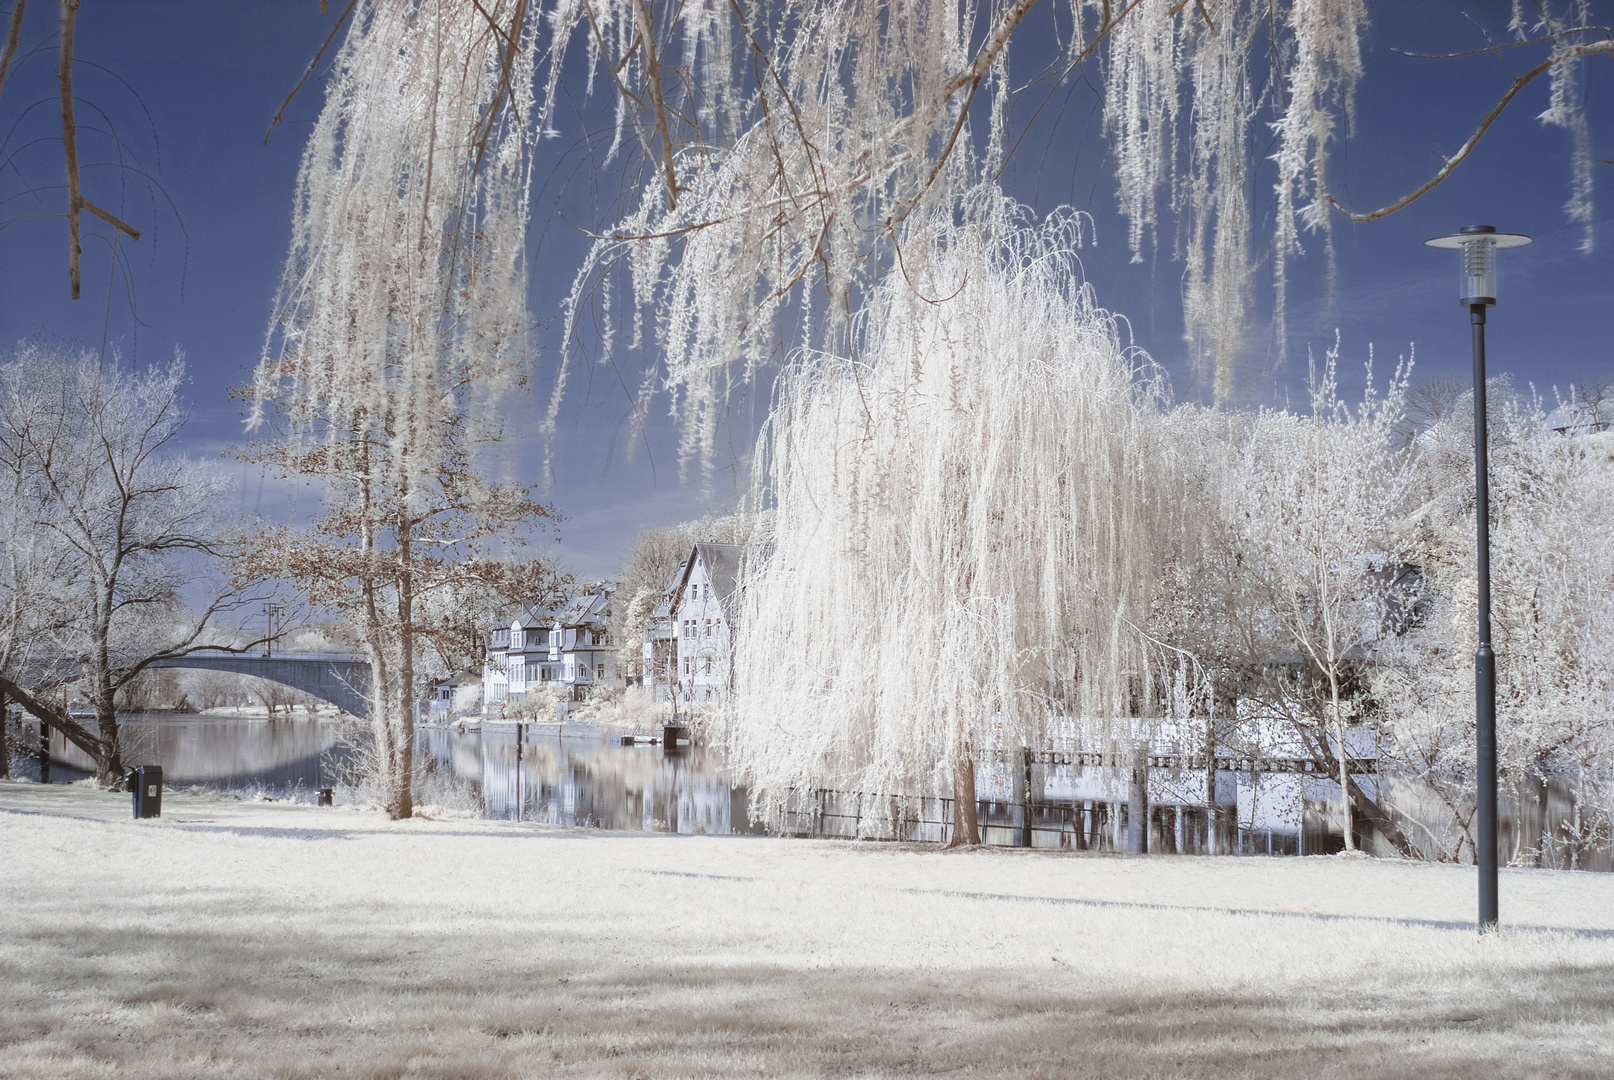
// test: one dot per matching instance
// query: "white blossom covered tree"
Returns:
(961, 546)
(1552, 621)
(401, 320)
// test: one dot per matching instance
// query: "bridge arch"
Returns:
(337, 678)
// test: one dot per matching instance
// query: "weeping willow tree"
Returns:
(812, 158)
(401, 319)
(802, 137)
(963, 527)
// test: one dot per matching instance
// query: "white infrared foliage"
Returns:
(858, 117)
(962, 533)
(404, 295)
(1552, 587)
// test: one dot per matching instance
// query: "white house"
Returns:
(455, 697)
(701, 615)
(517, 657)
(659, 658)
(566, 644)
(581, 652)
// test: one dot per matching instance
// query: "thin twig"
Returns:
(653, 69)
(11, 40)
(1603, 48)
(76, 201)
(507, 63)
(312, 64)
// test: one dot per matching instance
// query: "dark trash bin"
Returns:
(327, 796)
(146, 784)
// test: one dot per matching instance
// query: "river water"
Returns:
(570, 774)
(574, 774)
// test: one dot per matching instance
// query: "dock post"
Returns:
(1026, 802)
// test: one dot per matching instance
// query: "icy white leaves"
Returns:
(1552, 582)
(785, 189)
(404, 296)
(1567, 106)
(1170, 62)
(962, 540)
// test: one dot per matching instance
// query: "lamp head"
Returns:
(1479, 244)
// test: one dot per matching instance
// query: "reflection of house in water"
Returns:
(541, 772)
(1268, 794)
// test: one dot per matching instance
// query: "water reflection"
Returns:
(576, 775)
(566, 775)
(573, 775)
(232, 753)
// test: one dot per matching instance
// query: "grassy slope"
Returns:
(260, 940)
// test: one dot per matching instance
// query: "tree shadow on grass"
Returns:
(209, 995)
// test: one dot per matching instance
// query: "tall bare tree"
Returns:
(104, 525)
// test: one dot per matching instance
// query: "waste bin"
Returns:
(674, 739)
(146, 783)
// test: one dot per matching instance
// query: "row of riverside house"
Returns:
(564, 646)
(562, 650)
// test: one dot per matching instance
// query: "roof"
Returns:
(722, 562)
(594, 607)
(1580, 418)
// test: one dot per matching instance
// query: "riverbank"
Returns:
(238, 939)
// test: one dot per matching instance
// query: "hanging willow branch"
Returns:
(75, 197)
(312, 64)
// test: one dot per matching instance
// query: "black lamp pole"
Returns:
(1479, 244)
(1484, 657)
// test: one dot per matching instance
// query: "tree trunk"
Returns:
(1382, 823)
(966, 828)
(403, 805)
(1544, 841)
(5, 741)
(106, 758)
(1137, 803)
(1343, 753)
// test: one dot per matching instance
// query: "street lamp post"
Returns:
(1479, 244)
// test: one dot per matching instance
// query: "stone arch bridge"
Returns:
(338, 678)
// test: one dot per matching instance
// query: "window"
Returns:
(708, 665)
(687, 666)
(706, 630)
(601, 671)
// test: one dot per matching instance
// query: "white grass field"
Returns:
(267, 940)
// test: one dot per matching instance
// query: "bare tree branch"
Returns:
(75, 196)
(512, 45)
(1605, 48)
(312, 64)
(11, 40)
(652, 61)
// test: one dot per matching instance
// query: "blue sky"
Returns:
(190, 88)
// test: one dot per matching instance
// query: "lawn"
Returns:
(233, 939)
